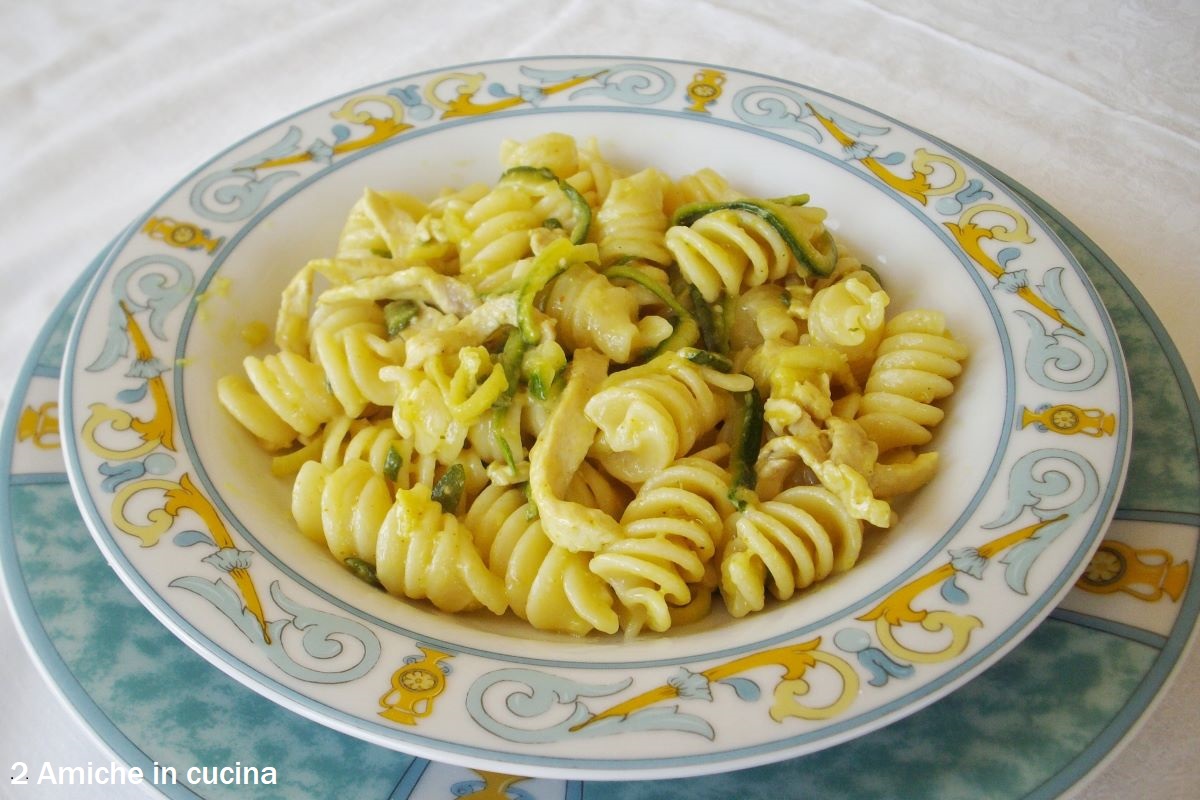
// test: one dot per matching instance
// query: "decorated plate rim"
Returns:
(743, 756)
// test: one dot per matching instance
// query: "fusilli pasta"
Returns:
(595, 397)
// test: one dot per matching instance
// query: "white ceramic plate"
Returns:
(1033, 449)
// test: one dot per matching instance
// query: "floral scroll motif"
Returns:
(1067, 359)
(779, 107)
(137, 469)
(1009, 227)
(776, 107)
(555, 704)
(322, 636)
(637, 84)
(236, 193)
(153, 431)
(455, 92)
(1063, 356)
(359, 111)
(944, 634)
(1055, 486)
(157, 284)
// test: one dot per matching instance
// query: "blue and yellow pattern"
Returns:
(922, 633)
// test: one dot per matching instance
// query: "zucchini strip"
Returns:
(538, 179)
(448, 490)
(547, 266)
(398, 314)
(746, 425)
(686, 329)
(707, 358)
(713, 327)
(364, 571)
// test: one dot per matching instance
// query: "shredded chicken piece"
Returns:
(557, 456)
(844, 468)
(414, 283)
(473, 329)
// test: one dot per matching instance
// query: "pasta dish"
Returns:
(598, 399)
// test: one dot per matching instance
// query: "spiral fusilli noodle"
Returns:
(350, 346)
(849, 316)
(651, 415)
(631, 222)
(673, 528)
(285, 396)
(704, 186)
(417, 550)
(591, 312)
(343, 506)
(581, 166)
(547, 585)
(425, 552)
(914, 368)
(786, 544)
(497, 232)
(729, 251)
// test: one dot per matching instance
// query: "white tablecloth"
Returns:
(1092, 104)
